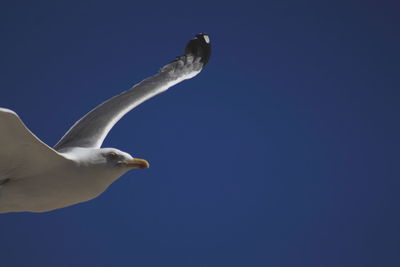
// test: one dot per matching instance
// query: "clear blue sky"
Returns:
(283, 152)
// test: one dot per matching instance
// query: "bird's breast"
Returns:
(53, 189)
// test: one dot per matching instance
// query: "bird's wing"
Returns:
(22, 154)
(91, 130)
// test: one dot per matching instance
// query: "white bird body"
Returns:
(63, 182)
(36, 178)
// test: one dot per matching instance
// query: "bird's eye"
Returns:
(112, 155)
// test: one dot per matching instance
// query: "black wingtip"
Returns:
(200, 46)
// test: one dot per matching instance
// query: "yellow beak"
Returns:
(136, 163)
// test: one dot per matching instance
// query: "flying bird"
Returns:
(36, 178)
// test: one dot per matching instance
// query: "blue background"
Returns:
(284, 151)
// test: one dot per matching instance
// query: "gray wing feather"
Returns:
(22, 153)
(91, 130)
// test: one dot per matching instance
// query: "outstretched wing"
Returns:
(91, 130)
(22, 154)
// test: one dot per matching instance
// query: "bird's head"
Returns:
(97, 168)
(105, 158)
(115, 158)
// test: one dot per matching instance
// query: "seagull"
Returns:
(37, 178)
